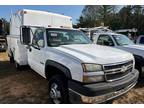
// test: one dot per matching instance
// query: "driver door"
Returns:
(36, 52)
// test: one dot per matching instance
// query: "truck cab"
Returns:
(78, 71)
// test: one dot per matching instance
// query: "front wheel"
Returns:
(58, 90)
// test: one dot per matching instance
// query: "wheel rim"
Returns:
(55, 93)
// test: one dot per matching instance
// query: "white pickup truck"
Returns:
(124, 43)
(78, 71)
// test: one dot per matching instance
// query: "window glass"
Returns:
(105, 40)
(38, 39)
(122, 40)
(142, 40)
(56, 37)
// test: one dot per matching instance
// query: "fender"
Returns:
(59, 66)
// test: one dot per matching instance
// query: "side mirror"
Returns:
(25, 35)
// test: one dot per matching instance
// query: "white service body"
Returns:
(34, 19)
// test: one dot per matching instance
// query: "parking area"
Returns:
(26, 86)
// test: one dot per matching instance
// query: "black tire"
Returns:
(62, 88)
(11, 59)
(18, 67)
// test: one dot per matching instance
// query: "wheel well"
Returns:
(51, 71)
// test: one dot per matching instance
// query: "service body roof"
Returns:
(34, 18)
(45, 19)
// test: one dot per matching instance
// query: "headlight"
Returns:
(91, 67)
(90, 79)
(92, 73)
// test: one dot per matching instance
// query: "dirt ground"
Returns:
(28, 87)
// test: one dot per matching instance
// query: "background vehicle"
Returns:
(122, 42)
(3, 43)
(68, 59)
(140, 40)
(131, 33)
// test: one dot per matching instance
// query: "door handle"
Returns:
(29, 48)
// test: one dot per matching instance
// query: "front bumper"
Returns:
(101, 92)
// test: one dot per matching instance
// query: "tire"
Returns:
(58, 90)
(18, 67)
(11, 59)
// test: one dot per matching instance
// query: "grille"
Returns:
(115, 72)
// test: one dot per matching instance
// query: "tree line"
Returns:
(113, 16)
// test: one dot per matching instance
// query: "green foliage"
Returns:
(95, 15)
(125, 18)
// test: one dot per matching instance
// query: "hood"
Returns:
(135, 49)
(91, 53)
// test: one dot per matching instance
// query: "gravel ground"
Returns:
(27, 86)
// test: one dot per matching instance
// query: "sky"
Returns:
(70, 10)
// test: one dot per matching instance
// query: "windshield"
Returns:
(122, 40)
(56, 37)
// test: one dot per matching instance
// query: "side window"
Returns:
(105, 40)
(142, 40)
(38, 39)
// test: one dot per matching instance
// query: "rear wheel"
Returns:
(11, 59)
(18, 67)
(58, 90)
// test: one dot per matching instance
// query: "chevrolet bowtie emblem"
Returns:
(124, 68)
